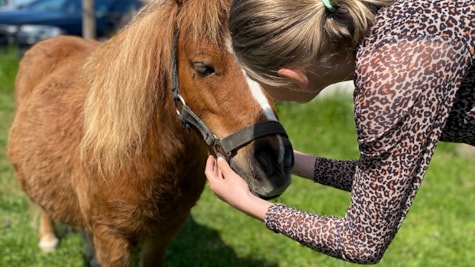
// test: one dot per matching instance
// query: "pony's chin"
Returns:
(267, 197)
(262, 186)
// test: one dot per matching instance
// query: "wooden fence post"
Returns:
(88, 19)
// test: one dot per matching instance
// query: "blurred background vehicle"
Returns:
(41, 19)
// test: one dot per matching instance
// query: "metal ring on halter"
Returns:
(180, 99)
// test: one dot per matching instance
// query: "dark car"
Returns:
(43, 19)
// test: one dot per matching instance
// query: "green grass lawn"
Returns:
(439, 231)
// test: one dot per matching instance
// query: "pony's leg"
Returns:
(48, 239)
(154, 248)
(89, 254)
(153, 252)
(111, 249)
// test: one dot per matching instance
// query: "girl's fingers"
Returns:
(224, 167)
(210, 169)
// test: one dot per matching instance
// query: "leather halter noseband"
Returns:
(226, 145)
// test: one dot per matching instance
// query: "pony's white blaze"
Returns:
(259, 96)
(263, 101)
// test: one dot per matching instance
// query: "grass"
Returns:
(439, 231)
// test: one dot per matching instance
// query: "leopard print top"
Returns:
(414, 86)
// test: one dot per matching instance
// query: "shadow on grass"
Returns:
(199, 246)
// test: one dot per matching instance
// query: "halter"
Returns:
(223, 146)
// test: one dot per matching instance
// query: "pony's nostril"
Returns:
(267, 159)
(271, 170)
(274, 161)
(271, 161)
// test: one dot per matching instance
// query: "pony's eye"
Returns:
(203, 69)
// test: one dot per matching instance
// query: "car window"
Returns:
(46, 5)
(19, 2)
(62, 6)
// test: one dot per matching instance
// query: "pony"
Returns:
(112, 137)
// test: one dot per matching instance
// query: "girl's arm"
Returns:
(335, 173)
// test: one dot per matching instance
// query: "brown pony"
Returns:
(97, 140)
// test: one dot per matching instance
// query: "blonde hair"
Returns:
(270, 34)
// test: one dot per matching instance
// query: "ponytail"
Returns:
(350, 20)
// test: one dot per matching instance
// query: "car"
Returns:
(42, 19)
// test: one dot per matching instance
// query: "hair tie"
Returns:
(328, 5)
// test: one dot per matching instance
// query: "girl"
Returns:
(412, 63)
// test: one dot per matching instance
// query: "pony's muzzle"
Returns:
(276, 168)
(269, 166)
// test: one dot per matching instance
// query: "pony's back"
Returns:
(47, 57)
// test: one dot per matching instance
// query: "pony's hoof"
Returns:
(48, 243)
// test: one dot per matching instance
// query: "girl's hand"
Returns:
(232, 189)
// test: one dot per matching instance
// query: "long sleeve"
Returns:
(407, 79)
(335, 173)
